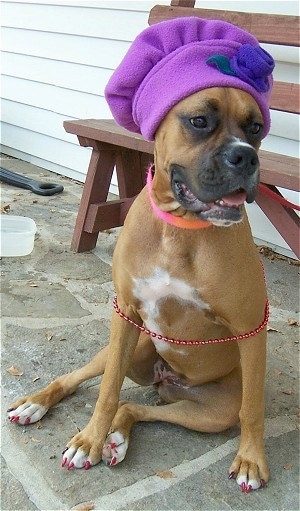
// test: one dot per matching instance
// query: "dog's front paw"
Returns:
(26, 412)
(83, 451)
(249, 475)
(76, 458)
(114, 449)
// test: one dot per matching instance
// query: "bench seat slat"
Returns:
(276, 169)
(279, 170)
(107, 131)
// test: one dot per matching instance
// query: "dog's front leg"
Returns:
(250, 466)
(85, 448)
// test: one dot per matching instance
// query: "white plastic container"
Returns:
(17, 235)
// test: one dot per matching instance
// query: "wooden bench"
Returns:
(114, 147)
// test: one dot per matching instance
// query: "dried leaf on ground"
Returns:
(292, 322)
(270, 254)
(271, 329)
(86, 507)
(288, 392)
(5, 209)
(14, 371)
(165, 474)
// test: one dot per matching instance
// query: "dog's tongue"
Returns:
(235, 199)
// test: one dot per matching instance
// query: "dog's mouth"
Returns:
(222, 211)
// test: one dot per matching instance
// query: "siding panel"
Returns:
(36, 119)
(67, 48)
(68, 75)
(70, 103)
(43, 147)
(83, 21)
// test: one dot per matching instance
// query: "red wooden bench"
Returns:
(113, 146)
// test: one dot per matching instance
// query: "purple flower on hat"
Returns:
(251, 64)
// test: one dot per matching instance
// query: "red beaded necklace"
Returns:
(169, 218)
(194, 343)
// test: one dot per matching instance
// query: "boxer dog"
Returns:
(191, 307)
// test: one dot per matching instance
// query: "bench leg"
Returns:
(284, 219)
(131, 169)
(95, 190)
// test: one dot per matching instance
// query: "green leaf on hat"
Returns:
(222, 63)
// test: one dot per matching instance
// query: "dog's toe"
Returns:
(84, 450)
(247, 485)
(114, 449)
(27, 413)
(248, 474)
(75, 458)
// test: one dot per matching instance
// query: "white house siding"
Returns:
(57, 57)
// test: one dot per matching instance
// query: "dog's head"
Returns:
(206, 150)
(201, 89)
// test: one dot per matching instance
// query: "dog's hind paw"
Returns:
(27, 413)
(114, 449)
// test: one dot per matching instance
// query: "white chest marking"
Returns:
(152, 290)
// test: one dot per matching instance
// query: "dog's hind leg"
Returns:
(210, 408)
(33, 407)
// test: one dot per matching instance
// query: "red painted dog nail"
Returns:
(113, 461)
(231, 475)
(16, 418)
(248, 489)
(243, 486)
(71, 465)
(113, 445)
(87, 465)
(64, 461)
(262, 483)
(28, 420)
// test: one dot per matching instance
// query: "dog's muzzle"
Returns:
(222, 184)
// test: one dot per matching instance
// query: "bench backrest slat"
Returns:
(267, 28)
(285, 97)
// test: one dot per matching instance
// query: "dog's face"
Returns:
(207, 148)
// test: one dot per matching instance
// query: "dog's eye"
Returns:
(256, 128)
(199, 122)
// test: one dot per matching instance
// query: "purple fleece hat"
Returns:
(170, 60)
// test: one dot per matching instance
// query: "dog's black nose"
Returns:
(241, 157)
